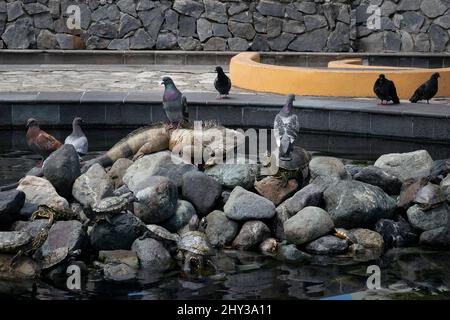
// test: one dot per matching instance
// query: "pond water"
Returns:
(411, 273)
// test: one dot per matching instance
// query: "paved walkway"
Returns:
(105, 77)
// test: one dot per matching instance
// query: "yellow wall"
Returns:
(341, 79)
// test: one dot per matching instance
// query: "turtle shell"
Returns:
(195, 242)
(300, 159)
(162, 234)
(110, 205)
(430, 195)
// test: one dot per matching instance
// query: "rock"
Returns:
(356, 204)
(41, 192)
(243, 17)
(305, 7)
(157, 201)
(119, 235)
(13, 241)
(187, 26)
(152, 21)
(260, 23)
(185, 211)
(281, 42)
(436, 238)
(141, 40)
(439, 38)
(92, 186)
(369, 239)
(64, 238)
(188, 7)
(157, 164)
(443, 21)
(433, 8)
(144, 5)
(339, 40)
(215, 10)
(274, 26)
(24, 268)
(19, 34)
(308, 224)
(372, 43)
(237, 7)
(409, 190)
(251, 235)
(260, 43)
(238, 44)
(152, 254)
(127, 24)
(62, 168)
(290, 253)
(406, 165)
(220, 30)
(166, 41)
(233, 175)
(313, 22)
(10, 204)
(201, 190)
(430, 219)
(242, 30)
(126, 257)
(46, 40)
(171, 20)
(327, 245)
(327, 166)
(69, 42)
(95, 42)
(273, 189)
(353, 169)
(409, 5)
(104, 29)
(246, 205)
(118, 170)
(269, 8)
(293, 26)
(14, 10)
(189, 44)
(380, 178)
(119, 272)
(127, 6)
(215, 44)
(396, 234)
(119, 44)
(219, 229)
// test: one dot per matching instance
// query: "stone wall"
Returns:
(259, 25)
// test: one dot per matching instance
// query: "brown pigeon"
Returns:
(40, 142)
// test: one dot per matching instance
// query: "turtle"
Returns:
(269, 247)
(295, 168)
(103, 209)
(168, 239)
(195, 249)
(429, 197)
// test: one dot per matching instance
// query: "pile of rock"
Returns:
(154, 212)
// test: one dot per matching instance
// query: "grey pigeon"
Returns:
(77, 138)
(222, 83)
(385, 90)
(427, 90)
(286, 128)
(174, 103)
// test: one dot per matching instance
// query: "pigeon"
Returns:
(174, 103)
(286, 128)
(222, 83)
(77, 138)
(39, 141)
(427, 90)
(385, 90)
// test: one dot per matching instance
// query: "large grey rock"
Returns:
(242, 30)
(219, 229)
(327, 166)
(120, 234)
(274, 27)
(422, 42)
(233, 175)
(13, 241)
(290, 253)
(436, 238)
(185, 211)
(260, 43)
(46, 40)
(157, 200)
(166, 41)
(412, 21)
(69, 42)
(19, 35)
(409, 5)
(171, 20)
(104, 29)
(204, 29)
(118, 170)
(201, 190)
(40, 191)
(396, 233)
(369, 239)
(144, 5)
(152, 21)
(339, 39)
(156, 164)
(308, 224)
(443, 21)
(430, 219)
(127, 257)
(281, 42)
(246, 205)
(251, 235)
(64, 238)
(215, 44)
(315, 22)
(270, 8)
(220, 30)
(380, 178)
(237, 7)
(357, 204)
(259, 22)
(293, 26)
(43, 20)
(92, 186)
(62, 168)
(305, 7)
(141, 40)
(187, 26)
(434, 8)
(215, 10)
(243, 17)
(127, 6)
(119, 44)
(311, 41)
(128, 24)
(10, 204)
(14, 10)
(372, 43)
(406, 165)
(152, 254)
(108, 12)
(238, 44)
(327, 245)
(439, 38)
(189, 8)
(189, 44)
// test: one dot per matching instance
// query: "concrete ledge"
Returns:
(342, 79)
(361, 117)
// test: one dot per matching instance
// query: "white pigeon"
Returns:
(77, 138)
(286, 128)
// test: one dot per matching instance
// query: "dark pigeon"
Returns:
(385, 90)
(77, 138)
(174, 103)
(286, 128)
(222, 83)
(39, 141)
(427, 90)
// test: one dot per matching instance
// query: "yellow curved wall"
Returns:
(346, 78)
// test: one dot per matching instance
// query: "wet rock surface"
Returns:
(10, 204)
(246, 205)
(252, 233)
(220, 230)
